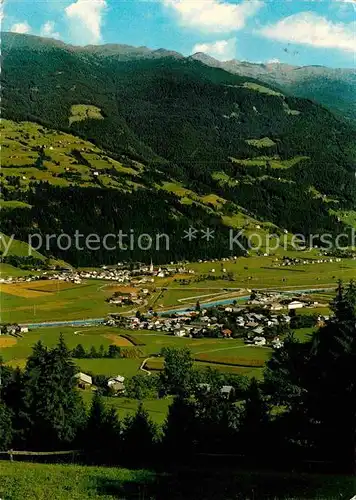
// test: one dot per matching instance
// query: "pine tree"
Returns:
(93, 352)
(283, 376)
(79, 352)
(328, 401)
(102, 432)
(180, 429)
(254, 423)
(101, 352)
(217, 421)
(6, 430)
(139, 437)
(12, 395)
(54, 408)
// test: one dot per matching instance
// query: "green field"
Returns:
(68, 159)
(156, 408)
(87, 300)
(80, 112)
(224, 349)
(19, 481)
(78, 301)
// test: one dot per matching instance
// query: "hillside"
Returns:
(185, 144)
(334, 88)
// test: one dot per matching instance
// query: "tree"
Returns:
(177, 371)
(12, 395)
(316, 381)
(53, 407)
(330, 395)
(254, 421)
(93, 352)
(139, 437)
(283, 376)
(102, 432)
(101, 352)
(114, 351)
(179, 430)
(79, 352)
(217, 421)
(344, 304)
(6, 431)
(141, 386)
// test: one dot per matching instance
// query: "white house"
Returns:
(84, 380)
(113, 380)
(296, 304)
(260, 341)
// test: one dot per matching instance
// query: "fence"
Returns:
(12, 453)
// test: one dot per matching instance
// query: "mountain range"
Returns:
(334, 88)
(148, 139)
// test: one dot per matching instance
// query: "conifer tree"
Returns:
(6, 430)
(102, 432)
(179, 430)
(54, 408)
(254, 423)
(139, 437)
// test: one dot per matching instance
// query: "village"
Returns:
(121, 273)
(261, 320)
(140, 273)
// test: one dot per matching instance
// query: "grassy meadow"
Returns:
(38, 301)
(74, 482)
(32, 302)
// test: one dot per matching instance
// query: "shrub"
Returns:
(131, 352)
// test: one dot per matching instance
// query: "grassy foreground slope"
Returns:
(72, 482)
(67, 482)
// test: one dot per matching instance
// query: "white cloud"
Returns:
(23, 27)
(274, 60)
(213, 16)
(221, 49)
(86, 19)
(310, 29)
(47, 30)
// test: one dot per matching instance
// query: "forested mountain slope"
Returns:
(178, 125)
(334, 88)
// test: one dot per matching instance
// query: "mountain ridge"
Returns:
(334, 88)
(200, 133)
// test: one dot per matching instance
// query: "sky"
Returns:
(298, 32)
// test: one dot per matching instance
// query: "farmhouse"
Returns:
(227, 391)
(84, 381)
(295, 304)
(118, 378)
(116, 384)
